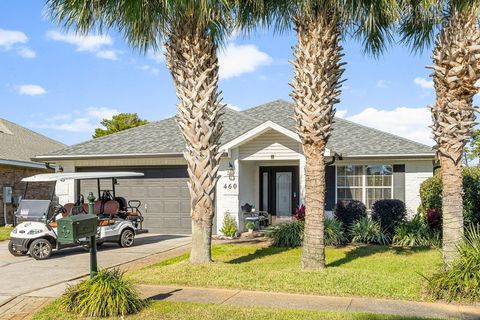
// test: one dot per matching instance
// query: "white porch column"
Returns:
(65, 190)
(301, 178)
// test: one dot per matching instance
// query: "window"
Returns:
(364, 183)
(378, 183)
(350, 183)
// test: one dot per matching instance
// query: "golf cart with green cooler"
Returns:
(42, 226)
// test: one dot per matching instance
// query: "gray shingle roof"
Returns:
(21, 144)
(348, 138)
(163, 137)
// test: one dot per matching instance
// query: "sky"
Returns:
(61, 85)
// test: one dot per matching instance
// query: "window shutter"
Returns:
(399, 182)
(329, 187)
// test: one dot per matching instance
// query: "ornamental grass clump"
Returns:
(460, 282)
(289, 234)
(416, 233)
(334, 234)
(368, 231)
(107, 294)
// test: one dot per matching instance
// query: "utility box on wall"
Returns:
(7, 194)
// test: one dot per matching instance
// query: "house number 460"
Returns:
(230, 186)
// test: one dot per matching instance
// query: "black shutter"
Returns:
(399, 182)
(330, 187)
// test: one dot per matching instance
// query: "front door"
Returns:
(279, 190)
(284, 194)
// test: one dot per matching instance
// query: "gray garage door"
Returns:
(163, 192)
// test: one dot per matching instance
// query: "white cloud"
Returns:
(236, 60)
(149, 68)
(76, 121)
(100, 45)
(382, 84)
(231, 106)
(423, 83)
(30, 90)
(157, 55)
(27, 53)
(410, 123)
(8, 38)
(341, 113)
(108, 54)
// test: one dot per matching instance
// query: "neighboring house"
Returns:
(17, 146)
(262, 165)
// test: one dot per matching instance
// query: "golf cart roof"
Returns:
(45, 177)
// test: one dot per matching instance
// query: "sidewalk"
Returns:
(310, 302)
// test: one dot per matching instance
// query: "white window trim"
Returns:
(364, 179)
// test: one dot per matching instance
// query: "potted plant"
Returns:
(250, 226)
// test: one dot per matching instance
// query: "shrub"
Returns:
(299, 213)
(289, 234)
(334, 234)
(434, 219)
(229, 227)
(389, 213)
(415, 233)
(367, 231)
(349, 211)
(431, 195)
(107, 294)
(462, 280)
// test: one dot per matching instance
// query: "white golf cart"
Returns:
(37, 220)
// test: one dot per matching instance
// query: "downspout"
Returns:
(334, 158)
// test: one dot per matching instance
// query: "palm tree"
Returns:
(192, 32)
(318, 69)
(456, 70)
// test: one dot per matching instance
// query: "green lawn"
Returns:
(163, 310)
(370, 271)
(5, 233)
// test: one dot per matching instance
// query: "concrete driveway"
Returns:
(25, 275)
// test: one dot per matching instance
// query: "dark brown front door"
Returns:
(279, 190)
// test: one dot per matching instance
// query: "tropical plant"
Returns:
(389, 213)
(107, 294)
(229, 227)
(433, 218)
(119, 122)
(415, 233)
(299, 213)
(334, 233)
(192, 32)
(461, 279)
(288, 234)
(349, 212)
(367, 231)
(318, 70)
(455, 73)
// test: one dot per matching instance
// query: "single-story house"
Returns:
(263, 165)
(17, 146)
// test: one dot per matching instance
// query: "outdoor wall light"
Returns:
(231, 171)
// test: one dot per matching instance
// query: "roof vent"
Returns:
(4, 129)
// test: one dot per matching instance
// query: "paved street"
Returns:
(26, 276)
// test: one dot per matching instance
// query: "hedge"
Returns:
(431, 194)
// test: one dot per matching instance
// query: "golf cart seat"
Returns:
(105, 222)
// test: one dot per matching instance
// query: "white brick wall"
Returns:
(415, 173)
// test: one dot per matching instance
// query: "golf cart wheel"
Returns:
(15, 252)
(126, 238)
(40, 249)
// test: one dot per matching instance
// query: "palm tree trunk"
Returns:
(316, 87)
(456, 71)
(192, 60)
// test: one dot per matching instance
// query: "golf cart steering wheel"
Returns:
(59, 209)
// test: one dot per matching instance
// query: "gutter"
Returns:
(24, 164)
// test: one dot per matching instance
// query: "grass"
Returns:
(5, 233)
(369, 271)
(163, 310)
